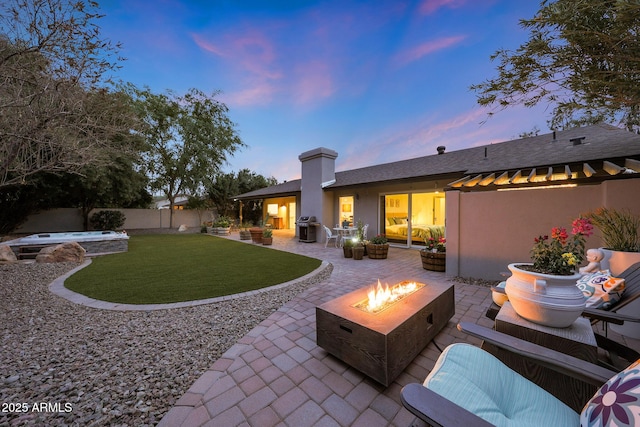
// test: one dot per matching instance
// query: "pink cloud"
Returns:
(417, 138)
(417, 52)
(252, 62)
(207, 46)
(421, 136)
(431, 6)
(252, 52)
(257, 94)
(312, 82)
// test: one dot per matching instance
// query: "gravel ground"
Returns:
(64, 364)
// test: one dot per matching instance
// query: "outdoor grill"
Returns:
(306, 229)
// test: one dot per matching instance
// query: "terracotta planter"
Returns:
(377, 251)
(358, 252)
(433, 261)
(256, 235)
(267, 241)
(545, 299)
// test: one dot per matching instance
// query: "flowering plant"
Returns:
(561, 254)
(380, 239)
(436, 245)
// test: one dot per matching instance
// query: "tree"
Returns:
(224, 186)
(582, 57)
(19, 201)
(198, 204)
(221, 192)
(187, 139)
(118, 185)
(55, 114)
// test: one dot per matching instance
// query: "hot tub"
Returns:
(94, 242)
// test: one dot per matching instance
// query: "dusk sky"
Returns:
(376, 81)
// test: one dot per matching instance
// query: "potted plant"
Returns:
(378, 247)
(267, 236)
(358, 250)
(347, 248)
(245, 234)
(256, 234)
(545, 291)
(358, 237)
(433, 255)
(620, 234)
(222, 225)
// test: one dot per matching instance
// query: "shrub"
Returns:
(107, 220)
(222, 221)
(620, 229)
(380, 239)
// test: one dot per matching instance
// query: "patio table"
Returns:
(344, 233)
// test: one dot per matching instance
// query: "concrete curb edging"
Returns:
(57, 287)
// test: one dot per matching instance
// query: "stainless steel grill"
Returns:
(306, 229)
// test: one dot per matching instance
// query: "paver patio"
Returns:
(277, 376)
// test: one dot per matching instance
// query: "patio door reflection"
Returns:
(412, 218)
(395, 213)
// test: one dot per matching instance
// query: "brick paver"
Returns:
(277, 376)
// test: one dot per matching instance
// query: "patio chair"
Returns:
(330, 236)
(470, 387)
(617, 356)
(620, 356)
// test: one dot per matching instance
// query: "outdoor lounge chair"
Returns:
(470, 387)
(618, 356)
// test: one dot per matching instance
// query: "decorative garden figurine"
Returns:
(594, 256)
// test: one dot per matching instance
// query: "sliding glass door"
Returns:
(412, 218)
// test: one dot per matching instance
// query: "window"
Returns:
(346, 210)
(272, 209)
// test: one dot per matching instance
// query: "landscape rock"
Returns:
(113, 368)
(183, 227)
(7, 254)
(64, 252)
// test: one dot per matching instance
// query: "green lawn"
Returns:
(173, 268)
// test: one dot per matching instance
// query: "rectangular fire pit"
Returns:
(381, 344)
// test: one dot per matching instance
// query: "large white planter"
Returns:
(617, 262)
(545, 299)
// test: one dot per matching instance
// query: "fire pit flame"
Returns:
(381, 297)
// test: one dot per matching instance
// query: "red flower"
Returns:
(560, 234)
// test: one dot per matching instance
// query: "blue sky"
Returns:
(377, 81)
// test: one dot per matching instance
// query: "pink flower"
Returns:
(582, 226)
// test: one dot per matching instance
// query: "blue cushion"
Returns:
(482, 384)
(617, 403)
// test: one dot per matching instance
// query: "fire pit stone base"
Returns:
(382, 345)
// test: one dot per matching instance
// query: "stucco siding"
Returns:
(497, 228)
